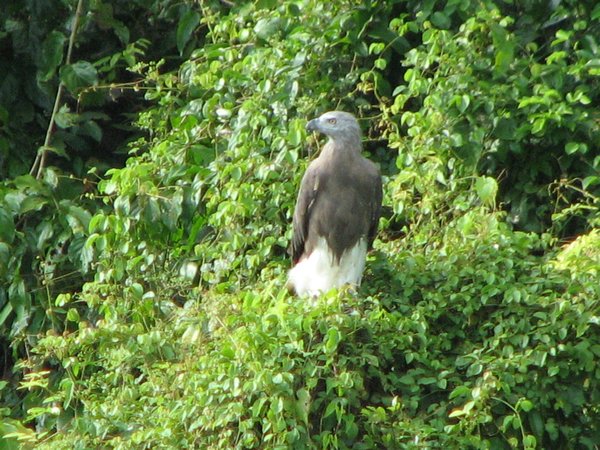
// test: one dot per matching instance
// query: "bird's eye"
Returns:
(332, 121)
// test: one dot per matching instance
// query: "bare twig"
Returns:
(42, 156)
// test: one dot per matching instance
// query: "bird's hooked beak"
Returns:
(312, 125)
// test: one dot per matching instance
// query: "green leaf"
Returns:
(65, 118)
(571, 147)
(28, 182)
(227, 352)
(4, 257)
(51, 55)
(78, 218)
(440, 20)
(92, 129)
(44, 232)
(185, 28)
(487, 188)
(19, 299)
(265, 28)
(530, 442)
(561, 36)
(376, 48)
(5, 312)
(51, 177)
(526, 405)
(504, 57)
(590, 181)
(13, 200)
(7, 226)
(303, 404)
(53, 149)
(538, 125)
(79, 75)
(137, 291)
(380, 63)
(462, 102)
(68, 387)
(474, 369)
(105, 19)
(73, 315)
(295, 133)
(460, 391)
(278, 378)
(333, 339)
(505, 129)
(331, 408)
(456, 413)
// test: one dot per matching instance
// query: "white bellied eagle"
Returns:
(337, 211)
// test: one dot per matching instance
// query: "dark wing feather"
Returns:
(375, 208)
(306, 198)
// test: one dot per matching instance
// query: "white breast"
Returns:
(320, 272)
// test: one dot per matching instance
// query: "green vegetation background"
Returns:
(143, 234)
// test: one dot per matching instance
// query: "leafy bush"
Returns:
(474, 342)
(66, 102)
(509, 97)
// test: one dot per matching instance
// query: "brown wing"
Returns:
(306, 198)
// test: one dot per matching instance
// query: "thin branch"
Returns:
(40, 159)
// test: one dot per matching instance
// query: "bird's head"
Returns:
(337, 125)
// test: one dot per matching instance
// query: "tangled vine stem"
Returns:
(42, 156)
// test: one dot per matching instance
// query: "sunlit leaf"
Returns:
(487, 189)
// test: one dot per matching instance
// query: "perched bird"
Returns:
(337, 211)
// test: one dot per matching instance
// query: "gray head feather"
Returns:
(339, 126)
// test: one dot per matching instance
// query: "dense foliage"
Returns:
(45, 208)
(147, 310)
